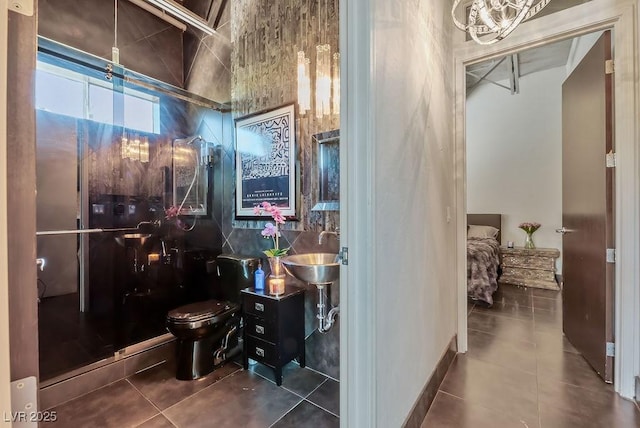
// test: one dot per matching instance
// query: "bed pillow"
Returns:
(476, 231)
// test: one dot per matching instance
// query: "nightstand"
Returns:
(534, 267)
(273, 328)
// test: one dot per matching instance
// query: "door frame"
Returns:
(358, 377)
(5, 368)
(586, 18)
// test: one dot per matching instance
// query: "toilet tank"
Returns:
(235, 272)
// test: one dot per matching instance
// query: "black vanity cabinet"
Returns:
(273, 328)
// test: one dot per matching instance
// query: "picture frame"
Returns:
(326, 171)
(265, 161)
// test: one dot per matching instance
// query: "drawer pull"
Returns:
(259, 329)
(259, 352)
(259, 307)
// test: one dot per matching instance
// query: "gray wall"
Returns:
(207, 59)
(411, 148)
(147, 44)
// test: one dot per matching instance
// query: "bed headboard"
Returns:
(494, 220)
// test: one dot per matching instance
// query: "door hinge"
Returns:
(344, 255)
(611, 349)
(24, 403)
(609, 67)
(611, 255)
(612, 160)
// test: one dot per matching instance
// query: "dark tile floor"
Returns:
(228, 397)
(520, 371)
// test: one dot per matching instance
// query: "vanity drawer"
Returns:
(261, 351)
(260, 307)
(273, 328)
(261, 328)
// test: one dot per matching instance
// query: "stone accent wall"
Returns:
(265, 39)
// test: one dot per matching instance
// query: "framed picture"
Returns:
(265, 161)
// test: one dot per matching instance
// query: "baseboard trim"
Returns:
(73, 387)
(424, 401)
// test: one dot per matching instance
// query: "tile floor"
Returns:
(520, 371)
(228, 397)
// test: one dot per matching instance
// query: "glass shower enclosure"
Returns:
(112, 156)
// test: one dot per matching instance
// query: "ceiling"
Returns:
(523, 63)
(526, 62)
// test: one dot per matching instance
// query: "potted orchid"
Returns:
(529, 228)
(271, 230)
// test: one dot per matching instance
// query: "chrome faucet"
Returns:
(154, 223)
(326, 232)
(40, 262)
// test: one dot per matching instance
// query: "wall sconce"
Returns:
(335, 84)
(134, 148)
(327, 82)
(323, 80)
(496, 19)
(304, 83)
(327, 72)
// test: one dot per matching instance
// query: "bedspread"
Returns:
(483, 259)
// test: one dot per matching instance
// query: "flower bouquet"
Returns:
(529, 228)
(271, 231)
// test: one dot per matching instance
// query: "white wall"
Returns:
(414, 255)
(514, 156)
(579, 48)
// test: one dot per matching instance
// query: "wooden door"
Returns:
(587, 207)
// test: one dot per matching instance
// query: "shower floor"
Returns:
(70, 339)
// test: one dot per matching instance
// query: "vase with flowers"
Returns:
(529, 228)
(271, 230)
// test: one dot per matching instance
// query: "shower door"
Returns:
(108, 153)
(68, 101)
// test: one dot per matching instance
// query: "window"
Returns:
(69, 93)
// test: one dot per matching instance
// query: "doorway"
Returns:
(545, 31)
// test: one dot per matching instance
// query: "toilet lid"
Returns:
(199, 311)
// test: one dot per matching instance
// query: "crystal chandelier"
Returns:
(495, 19)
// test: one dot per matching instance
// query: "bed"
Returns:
(483, 255)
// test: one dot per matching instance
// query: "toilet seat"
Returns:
(200, 314)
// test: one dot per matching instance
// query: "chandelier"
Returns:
(495, 19)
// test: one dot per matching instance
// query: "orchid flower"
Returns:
(271, 229)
